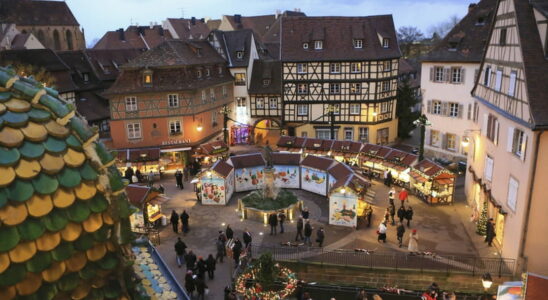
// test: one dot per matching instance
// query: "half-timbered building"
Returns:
(169, 98)
(508, 154)
(348, 65)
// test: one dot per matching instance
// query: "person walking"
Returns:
(400, 232)
(139, 175)
(409, 216)
(229, 233)
(201, 287)
(300, 227)
(201, 267)
(210, 264)
(236, 251)
(190, 259)
(490, 232)
(413, 246)
(184, 220)
(381, 231)
(129, 174)
(307, 233)
(190, 285)
(368, 215)
(389, 179)
(385, 177)
(281, 219)
(150, 178)
(403, 195)
(180, 251)
(305, 213)
(273, 222)
(320, 236)
(392, 210)
(387, 214)
(247, 238)
(391, 196)
(220, 245)
(401, 213)
(179, 179)
(174, 221)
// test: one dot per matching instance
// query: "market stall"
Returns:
(432, 183)
(144, 160)
(216, 185)
(346, 200)
(372, 159)
(287, 171)
(149, 202)
(346, 151)
(317, 147)
(290, 144)
(248, 171)
(209, 153)
(399, 164)
(338, 171)
(314, 174)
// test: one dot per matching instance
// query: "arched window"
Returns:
(41, 37)
(56, 40)
(69, 39)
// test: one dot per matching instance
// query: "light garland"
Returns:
(288, 278)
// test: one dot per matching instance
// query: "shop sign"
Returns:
(175, 142)
(219, 150)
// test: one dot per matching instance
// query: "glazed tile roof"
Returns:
(65, 216)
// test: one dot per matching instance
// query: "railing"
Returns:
(392, 261)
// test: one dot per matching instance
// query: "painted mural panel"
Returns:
(342, 209)
(313, 181)
(248, 179)
(229, 186)
(213, 190)
(287, 177)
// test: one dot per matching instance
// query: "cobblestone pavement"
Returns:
(442, 229)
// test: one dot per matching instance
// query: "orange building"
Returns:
(167, 101)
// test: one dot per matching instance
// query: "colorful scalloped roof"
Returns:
(64, 227)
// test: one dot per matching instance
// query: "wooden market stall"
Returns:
(347, 200)
(399, 164)
(144, 160)
(290, 144)
(346, 151)
(149, 202)
(209, 153)
(314, 174)
(287, 171)
(432, 183)
(216, 185)
(372, 158)
(248, 171)
(317, 147)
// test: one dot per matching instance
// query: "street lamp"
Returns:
(422, 122)
(225, 111)
(331, 110)
(487, 282)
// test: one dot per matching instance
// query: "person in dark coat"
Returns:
(221, 250)
(273, 222)
(490, 232)
(174, 221)
(180, 251)
(200, 287)
(389, 178)
(179, 179)
(201, 267)
(400, 232)
(190, 286)
(190, 259)
(409, 216)
(369, 215)
(307, 233)
(305, 213)
(229, 233)
(210, 264)
(236, 251)
(281, 219)
(401, 213)
(139, 175)
(128, 174)
(247, 238)
(184, 221)
(392, 213)
(320, 236)
(300, 227)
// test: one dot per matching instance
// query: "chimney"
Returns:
(238, 18)
(471, 6)
(202, 20)
(278, 12)
(193, 21)
(121, 34)
(161, 31)
(151, 24)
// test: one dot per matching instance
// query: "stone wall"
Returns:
(377, 278)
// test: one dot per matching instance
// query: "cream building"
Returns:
(448, 73)
(508, 157)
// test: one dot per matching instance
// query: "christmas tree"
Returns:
(482, 222)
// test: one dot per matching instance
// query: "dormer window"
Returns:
(318, 45)
(85, 77)
(198, 51)
(453, 46)
(358, 44)
(207, 73)
(220, 70)
(266, 82)
(147, 78)
(239, 54)
(385, 42)
(305, 45)
(199, 73)
(480, 21)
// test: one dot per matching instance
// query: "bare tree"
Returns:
(441, 29)
(407, 35)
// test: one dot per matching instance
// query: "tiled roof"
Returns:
(375, 150)
(428, 167)
(107, 62)
(214, 147)
(137, 194)
(466, 41)
(57, 228)
(340, 170)
(134, 37)
(79, 64)
(318, 144)
(92, 106)
(266, 70)
(233, 42)
(259, 24)
(222, 168)
(316, 162)
(213, 24)
(346, 146)
(401, 157)
(337, 34)
(288, 159)
(247, 160)
(189, 29)
(37, 13)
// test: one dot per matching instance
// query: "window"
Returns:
(386, 86)
(212, 94)
(502, 37)
(385, 42)
(85, 77)
(453, 109)
(438, 74)
(301, 68)
(517, 141)
(324, 134)
(349, 134)
(355, 88)
(214, 115)
(513, 186)
(239, 54)
(456, 75)
(304, 134)
(386, 66)
(384, 107)
(240, 102)
(498, 81)
(302, 109)
(147, 78)
(336, 109)
(335, 68)
(220, 70)
(134, 131)
(266, 82)
(204, 97)
(436, 107)
(492, 130)
(273, 103)
(355, 67)
(487, 76)
(363, 134)
(318, 45)
(239, 78)
(173, 100)
(131, 103)
(382, 136)
(334, 88)
(174, 127)
(451, 141)
(225, 91)
(488, 172)
(435, 140)
(302, 88)
(199, 73)
(259, 103)
(512, 85)
(355, 109)
(475, 115)
(358, 44)
(207, 72)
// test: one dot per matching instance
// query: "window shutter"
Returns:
(446, 73)
(469, 112)
(496, 137)
(444, 141)
(510, 139)
(461, 108)
(432, 73)
(444, 109)
(523, 147)
(457, 144)
(462, 75)
(429, 106)
(484, 124)
(427, 140)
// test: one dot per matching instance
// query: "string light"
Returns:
(288, 278)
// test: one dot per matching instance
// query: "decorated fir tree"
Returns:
(482, 222)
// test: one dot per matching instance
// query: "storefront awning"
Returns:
(175, 149)
(139, 155)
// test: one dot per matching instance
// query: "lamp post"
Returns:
(225, 111)
(331, 110)
(422, 122)
(487, 282)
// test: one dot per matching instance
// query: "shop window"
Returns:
(131, 103)
(173, 100)
(175, 127)
(134, 131)
(239, 78)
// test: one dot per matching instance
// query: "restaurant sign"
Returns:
(175, 142)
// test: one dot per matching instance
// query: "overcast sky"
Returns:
(99, 16)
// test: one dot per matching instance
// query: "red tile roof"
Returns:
(316, 162)
(222, 168)
(134, 37)
(346, 146)
(401, 157)
(340, 170)
(428, 167)
(37, 13)
(187, 29)
(214, 147)
(288, 159)
(247, 160)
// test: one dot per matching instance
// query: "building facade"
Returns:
(348, 65)
(448, 76)
(508, 151)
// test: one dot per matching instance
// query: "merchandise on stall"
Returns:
(149, 202)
